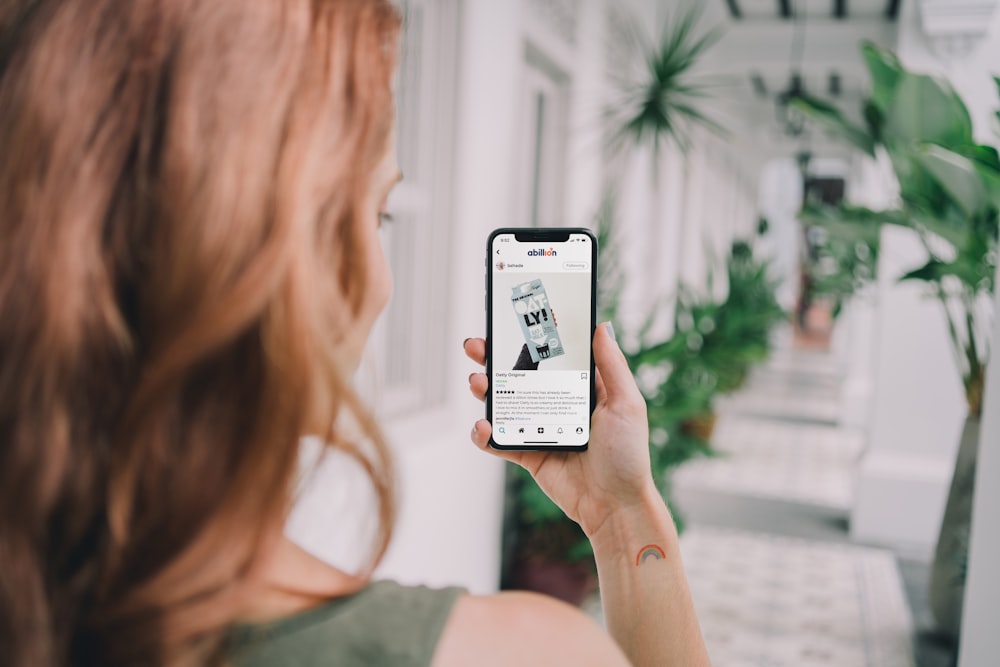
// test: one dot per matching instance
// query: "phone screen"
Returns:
(541, 318)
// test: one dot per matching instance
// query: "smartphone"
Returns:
(541, 287)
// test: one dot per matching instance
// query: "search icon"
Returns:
(502, 429)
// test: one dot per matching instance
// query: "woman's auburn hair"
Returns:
(181, 188)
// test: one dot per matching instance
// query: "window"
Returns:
(406, 341)
(540, 178)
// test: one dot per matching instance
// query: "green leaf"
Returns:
(987, 163)
(957, 175)
(885, 71)
(985, 156)
(917, 187)
(926, 109)
(932, 271)
(830, 117)
(874, 119)
(955, 232)
(935, 271)
(854, 223)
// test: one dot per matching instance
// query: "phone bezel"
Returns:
(540, 235)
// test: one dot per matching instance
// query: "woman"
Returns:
(189, 269)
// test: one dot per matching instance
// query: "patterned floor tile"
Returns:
(808, 464)
(765, 600)
(792, 385)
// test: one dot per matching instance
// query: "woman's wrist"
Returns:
(646, 517)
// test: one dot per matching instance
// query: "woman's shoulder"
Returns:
(388, 623)
(523, 628)
(384, 623)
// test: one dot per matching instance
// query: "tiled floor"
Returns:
(795, 386)
(810, 464)
(787, 401)
(776, 601)
(772, 601)
(775, 578)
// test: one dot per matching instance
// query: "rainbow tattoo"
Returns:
(647, 552)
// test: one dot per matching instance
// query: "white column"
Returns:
(857, 386)
(780, 195)
(584, 159)
(692, 267)
(634, 211)
(871, 184)
(980, 641)
(662, 253)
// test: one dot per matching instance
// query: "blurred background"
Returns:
(797, 208)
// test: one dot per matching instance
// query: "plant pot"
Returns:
(701, 426)
(546, 558)
(947, 585)
(571, 582)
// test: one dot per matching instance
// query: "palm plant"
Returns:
(661, 101)
(949, 195)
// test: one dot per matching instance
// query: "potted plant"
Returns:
(547, 552)
(950, 196)
(715, 343)
(846, 254)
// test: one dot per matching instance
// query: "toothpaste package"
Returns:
(531, 304)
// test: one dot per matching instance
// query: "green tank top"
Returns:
(385, 624)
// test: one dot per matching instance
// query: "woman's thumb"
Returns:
(610, 361)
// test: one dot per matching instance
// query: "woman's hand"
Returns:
(613, 473)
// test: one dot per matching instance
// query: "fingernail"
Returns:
(465, 341)
(610, 328)
(471, 375)
(475, 429)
